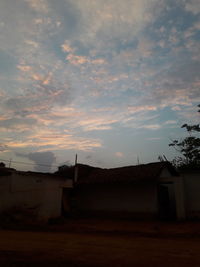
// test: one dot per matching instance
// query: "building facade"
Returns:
(152, 190)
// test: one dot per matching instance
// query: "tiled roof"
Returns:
(89, 175)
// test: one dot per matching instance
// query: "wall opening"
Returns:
(166, 201)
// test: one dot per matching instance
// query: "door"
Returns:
(166, 202)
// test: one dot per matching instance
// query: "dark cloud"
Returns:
(43, 160)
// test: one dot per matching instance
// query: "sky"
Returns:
(110, 80)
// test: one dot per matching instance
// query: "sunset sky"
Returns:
(110, 80)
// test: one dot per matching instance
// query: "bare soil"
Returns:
(103, 243)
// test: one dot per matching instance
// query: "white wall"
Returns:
(176, 192)
(192, 194)
(51, 199)
(39, 194)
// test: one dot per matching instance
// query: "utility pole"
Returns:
(9, 166)
(75, 159)
(76, 169)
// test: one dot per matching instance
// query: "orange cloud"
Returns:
(32, 43)
(47, 79)
(170, 122)
(98, 61)
(49, 140)
(79, 60)
(141, 108)
(38, 5)
(91, 124)
(66, 47)
(24, 68)
(151, 126)
(119, 154)
(58, 116)
(3, 117)
(37, 77)
(76, 60)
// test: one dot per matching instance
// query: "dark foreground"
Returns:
(103, 243)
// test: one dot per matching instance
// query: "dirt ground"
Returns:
(103, 243)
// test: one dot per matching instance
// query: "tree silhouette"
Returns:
(189, 147)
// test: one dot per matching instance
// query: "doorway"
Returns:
(166, 201)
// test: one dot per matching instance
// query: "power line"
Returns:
(26, 163)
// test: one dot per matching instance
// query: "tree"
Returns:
(189, 147)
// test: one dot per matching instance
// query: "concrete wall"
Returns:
(192, 194)
(51, 199)
(38, 195)
(138, 198)
(176, 193)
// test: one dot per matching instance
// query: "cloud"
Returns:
(177, 85)
(32, 43)
(154, 138)
(17, 123)
(51, 139)
(135, 109)
(96, 123)
(189, 114)
(170, 122)
(193, 6)
(176, 108)
(76, 60)
(119, 154)
(145, 47)
(43, 160)
(77, 70)
(122, 21)
(151, 126)
(38, 5)
(3, 148)
(66, 47)
(24, 68)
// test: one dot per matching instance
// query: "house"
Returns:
(36, 195)
(153, 190)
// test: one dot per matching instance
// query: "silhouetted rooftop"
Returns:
(88, 174)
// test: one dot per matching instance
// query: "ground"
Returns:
(103, 243)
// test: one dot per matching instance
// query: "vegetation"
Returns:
(189, 147)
